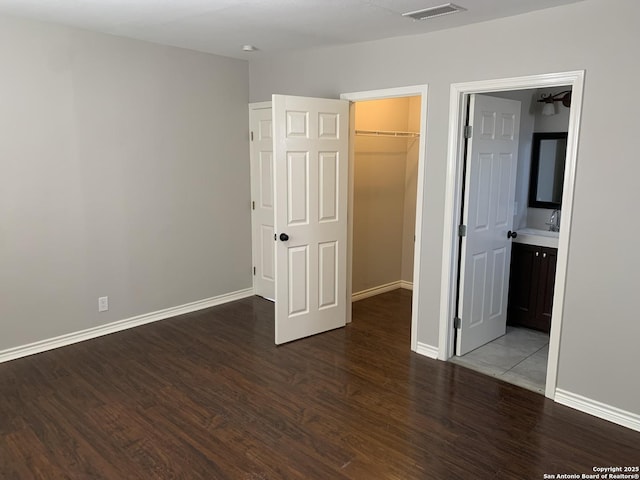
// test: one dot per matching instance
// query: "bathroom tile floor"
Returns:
(518, 357)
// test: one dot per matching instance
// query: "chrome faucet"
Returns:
(554, 221)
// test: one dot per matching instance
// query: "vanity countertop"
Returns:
(533, 236)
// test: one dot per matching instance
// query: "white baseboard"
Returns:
(598, 409)
(119, 325)
(427, 350)
(387, 287)
(406, 285)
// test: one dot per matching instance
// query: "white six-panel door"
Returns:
(492, 154)
(262, 201)
(311, 168)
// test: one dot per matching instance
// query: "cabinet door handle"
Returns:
(537, 253)
(544, 255)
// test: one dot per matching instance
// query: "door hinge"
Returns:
(457, 321)
(468, 131)
(251, 136)
(254, 270)
(253, 205)
(462, 230)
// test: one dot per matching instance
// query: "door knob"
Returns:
(511, 234)
(284, 237)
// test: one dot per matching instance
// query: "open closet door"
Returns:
(492, 156)
(310, 175)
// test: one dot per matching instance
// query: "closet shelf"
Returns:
(387, 133)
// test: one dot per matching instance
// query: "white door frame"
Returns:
(457, 114)
(410, 91)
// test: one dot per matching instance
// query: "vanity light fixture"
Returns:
(549, 100)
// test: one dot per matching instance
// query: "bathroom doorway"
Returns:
(451, 323)
(519, 353)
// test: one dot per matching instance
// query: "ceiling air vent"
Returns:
(432, 12)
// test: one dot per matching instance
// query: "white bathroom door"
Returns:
(311, 168)
(262, 202)
(492, 155)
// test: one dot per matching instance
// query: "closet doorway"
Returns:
(386, 178)
(262, 118)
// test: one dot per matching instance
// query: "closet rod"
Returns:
(387, 133)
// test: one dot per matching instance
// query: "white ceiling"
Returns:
(223, 26)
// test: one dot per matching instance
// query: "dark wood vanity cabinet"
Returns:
(531, 283)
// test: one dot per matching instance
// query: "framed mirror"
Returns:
(548, 155)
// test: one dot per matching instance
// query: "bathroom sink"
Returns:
(534, 236)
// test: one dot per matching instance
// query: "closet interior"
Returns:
(385, 185)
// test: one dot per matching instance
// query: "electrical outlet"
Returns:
(103, 304)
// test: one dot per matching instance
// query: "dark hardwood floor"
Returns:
(208, 395)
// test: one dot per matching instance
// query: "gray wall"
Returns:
(123, 172)
(598, 349)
